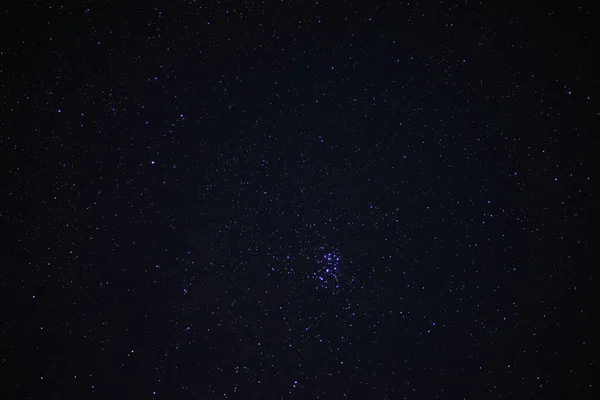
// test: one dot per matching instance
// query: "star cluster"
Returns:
(327, 275)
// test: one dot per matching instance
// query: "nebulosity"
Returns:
(327, 273)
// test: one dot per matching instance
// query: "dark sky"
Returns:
(299, 200)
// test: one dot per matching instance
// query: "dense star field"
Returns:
(299, 200)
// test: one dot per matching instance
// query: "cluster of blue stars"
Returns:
(328, 272)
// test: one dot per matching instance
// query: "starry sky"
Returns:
(298, 199)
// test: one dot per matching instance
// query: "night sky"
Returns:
(299, 200)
